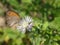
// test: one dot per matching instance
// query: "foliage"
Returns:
(44, 31)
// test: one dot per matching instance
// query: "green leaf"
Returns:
(45, 25)
(56, 23)
(13, 3)
(26, 1)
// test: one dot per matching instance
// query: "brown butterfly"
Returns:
(12, 18)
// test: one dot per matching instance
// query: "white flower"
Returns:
(25, 24)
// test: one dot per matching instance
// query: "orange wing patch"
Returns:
(12, 14)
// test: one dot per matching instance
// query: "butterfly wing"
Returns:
(12, 18)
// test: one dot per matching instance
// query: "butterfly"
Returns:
(12, 18)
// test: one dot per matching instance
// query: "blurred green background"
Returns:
(46, 16)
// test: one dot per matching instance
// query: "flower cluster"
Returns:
(25, 24)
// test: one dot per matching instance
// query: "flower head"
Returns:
(25, 24)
